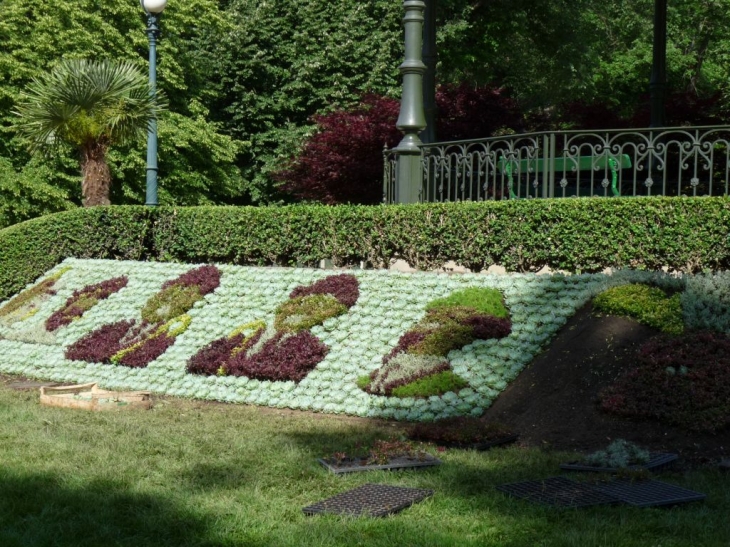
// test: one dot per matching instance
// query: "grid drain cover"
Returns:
(374, 500)
(655, 463)
(649, 493)
(558, 491)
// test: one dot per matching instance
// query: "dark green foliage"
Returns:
(436, 384)
(441, 340)
(488, 301)
(649, 305)
(687, 234)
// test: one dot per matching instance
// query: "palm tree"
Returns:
(90, 105)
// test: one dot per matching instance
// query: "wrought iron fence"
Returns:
(678, 161)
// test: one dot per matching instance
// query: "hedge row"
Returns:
(685, 234)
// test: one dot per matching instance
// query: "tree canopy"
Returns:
(245, 77)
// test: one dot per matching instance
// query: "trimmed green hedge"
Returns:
(686, 234)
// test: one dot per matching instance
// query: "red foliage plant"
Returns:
(82, 300)
(343, 161)
(343, 287)
(683, 381)
(141, 339)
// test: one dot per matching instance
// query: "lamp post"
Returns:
(153, 9)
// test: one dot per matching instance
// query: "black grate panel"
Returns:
(648, 493)
(655, 463)
(558, 491)
(374, 500)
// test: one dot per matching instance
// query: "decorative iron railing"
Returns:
(677, 161)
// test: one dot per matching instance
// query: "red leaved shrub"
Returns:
(343, 161)
(99, 345)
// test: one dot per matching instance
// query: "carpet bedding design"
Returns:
(353, 339)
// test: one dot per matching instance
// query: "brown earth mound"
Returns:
(553, 402)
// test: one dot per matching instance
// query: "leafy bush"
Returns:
(688, 234)
(342, 162)
(683, 381)
(649, 305)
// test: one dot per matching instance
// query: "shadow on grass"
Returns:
(39, 510)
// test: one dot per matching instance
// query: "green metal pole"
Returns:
(153, 33)
(658, 82)
(411, 119)
(428, 135)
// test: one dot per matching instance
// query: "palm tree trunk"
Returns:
(96, 178)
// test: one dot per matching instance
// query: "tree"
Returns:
(91, 106)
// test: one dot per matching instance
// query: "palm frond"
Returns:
(83, 101)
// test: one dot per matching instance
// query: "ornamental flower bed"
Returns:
(285, 351)
(27, 303)
(82, 301)
(249, 300)
(418, 365)
(136, 344)
(683, 381)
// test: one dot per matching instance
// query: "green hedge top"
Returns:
(685, 234)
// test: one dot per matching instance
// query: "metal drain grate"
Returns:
(558, 491)
(648, 493)
(655, 463)
(374, 500)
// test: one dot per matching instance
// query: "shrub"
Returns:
(649, 305)
(343, 161)
(683, 381)
(688, 234)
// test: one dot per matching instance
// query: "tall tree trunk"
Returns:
(96, 178)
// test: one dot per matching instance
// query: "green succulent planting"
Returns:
(304, 312)
(489, 301)
(649, 305)
(436, 384)
(171, 302)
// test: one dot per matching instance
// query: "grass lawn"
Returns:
(192, 473)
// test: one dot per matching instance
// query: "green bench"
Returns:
(582, 163)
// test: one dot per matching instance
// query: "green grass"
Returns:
(204, 474)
